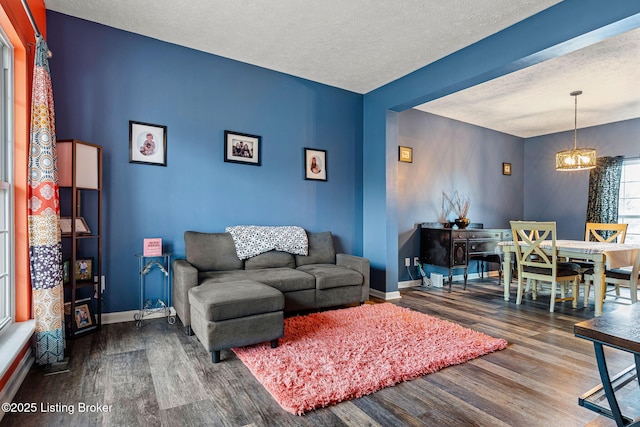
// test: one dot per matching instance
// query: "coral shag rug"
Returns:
(328, 357)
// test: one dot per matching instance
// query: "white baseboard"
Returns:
(384, 295)
(127, 316)
(409, 284)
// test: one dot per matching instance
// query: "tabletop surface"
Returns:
(619, 328)
(584, 246)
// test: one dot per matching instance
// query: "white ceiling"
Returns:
(359, 47)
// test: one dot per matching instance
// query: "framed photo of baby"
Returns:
(315, 162)
(147, 143)
(242, 148)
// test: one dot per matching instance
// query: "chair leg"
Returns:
(519, 295)
(553, 297)
(574, 293)
(587, 291)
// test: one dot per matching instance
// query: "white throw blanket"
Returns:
(252, 240)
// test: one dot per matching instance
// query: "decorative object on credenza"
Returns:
(315, 164)
(405, 154)
(445, 210)
(577, 158)
(81, 226)
(147, 143)
(460, 205)
(242, 148)
(506, 169)
(152, 246)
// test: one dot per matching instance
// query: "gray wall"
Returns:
(562, 196)
(449, 155)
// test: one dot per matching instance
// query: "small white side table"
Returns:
(162, 304)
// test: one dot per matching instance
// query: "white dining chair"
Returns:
(537, 264)
(600, 232)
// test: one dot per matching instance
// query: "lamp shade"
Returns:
(576, 159)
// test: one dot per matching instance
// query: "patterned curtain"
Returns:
(45, 249)
(604, 190)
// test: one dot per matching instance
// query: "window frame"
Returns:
(633, 231)
(7, 186)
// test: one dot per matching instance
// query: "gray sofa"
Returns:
(323, 278)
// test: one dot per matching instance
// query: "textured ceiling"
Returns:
(360, 45)
(535, 101)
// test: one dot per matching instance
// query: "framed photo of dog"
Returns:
(147, 143)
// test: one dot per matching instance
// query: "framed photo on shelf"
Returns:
(405, 154)
(242, 148)
(315, 164)
(83, 315)
(147, 143)
(81, 226)
(506, 169)
(83, 269)
(65, 272)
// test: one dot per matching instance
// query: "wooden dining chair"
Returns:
(537, 264)
(600, 232)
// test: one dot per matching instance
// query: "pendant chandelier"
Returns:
(578, 158)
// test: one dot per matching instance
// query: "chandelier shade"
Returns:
(577, 158)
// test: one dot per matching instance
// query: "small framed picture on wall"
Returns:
(405, 154)
(242, 148)
(147, 143)
(506, 169)
(315, 164)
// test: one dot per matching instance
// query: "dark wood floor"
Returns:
(158, 376)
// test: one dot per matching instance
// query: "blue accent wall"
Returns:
(550, 195)
(103, 77)
(449, 155)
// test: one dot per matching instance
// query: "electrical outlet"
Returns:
(407, 262)
(416, 261)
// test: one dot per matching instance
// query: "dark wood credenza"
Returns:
(454, 248)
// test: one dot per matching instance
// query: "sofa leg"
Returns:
(274, 343)
(215, 356)
(189, 331)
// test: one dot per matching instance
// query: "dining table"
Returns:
(603, 255)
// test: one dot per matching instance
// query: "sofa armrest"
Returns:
(359, 264)
(185, 277)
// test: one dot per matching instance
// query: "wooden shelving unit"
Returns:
(80, 183)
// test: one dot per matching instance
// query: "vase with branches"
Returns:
(460, 205)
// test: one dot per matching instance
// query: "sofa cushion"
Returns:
(211, 251)
(332, 276)
(232, 300)
(270, 259)
(321, 250)
(282, 278)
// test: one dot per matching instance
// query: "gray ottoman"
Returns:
(235, 314)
